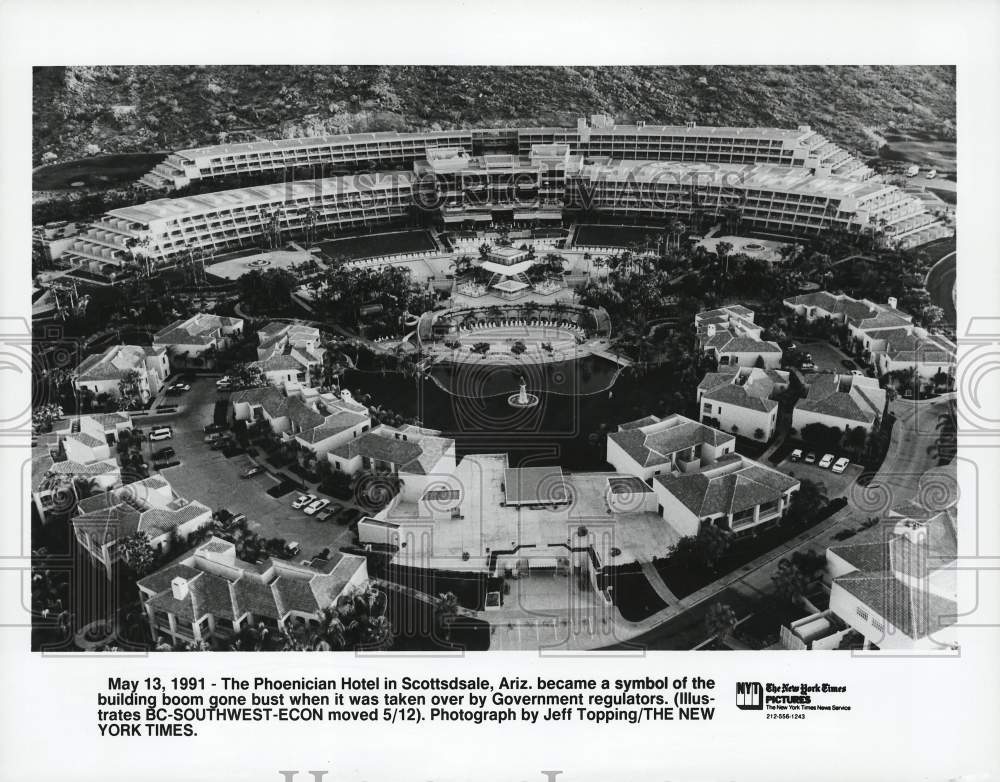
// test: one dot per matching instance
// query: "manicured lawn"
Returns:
(414, 628)
(375, 245)
(633, 594)
(614, 235)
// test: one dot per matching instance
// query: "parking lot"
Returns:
(210, 477)
(836, 485)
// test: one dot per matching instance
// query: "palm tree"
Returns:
(720, 620)
(445, 613)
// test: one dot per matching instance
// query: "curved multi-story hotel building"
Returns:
(600, 137)
(167, 229)
(778, 182)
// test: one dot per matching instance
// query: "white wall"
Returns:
(747, 420)
(802, 418)
(675, 513)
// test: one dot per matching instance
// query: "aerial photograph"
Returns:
(482, 358)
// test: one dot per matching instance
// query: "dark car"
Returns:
(213, 428)
(164, 453)
(848, 364)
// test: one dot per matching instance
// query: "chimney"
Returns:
(892, 301)
(179, 586)
(710, 330)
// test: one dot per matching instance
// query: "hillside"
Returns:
(82, 110)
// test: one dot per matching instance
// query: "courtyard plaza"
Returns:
(235, 265)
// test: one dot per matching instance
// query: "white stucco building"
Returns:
(735, 493)
(742, 401)
(194, 341)
(103, 373)
(841, 400)
(653, 446)
(317, 422)
(149, 506)
(210, 593)
(730, 334)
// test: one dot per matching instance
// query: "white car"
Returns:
(181, 387)
(315, 507)
(796, 455)
(163, 433)
(841, 464)
(302, 500)
(826, 461)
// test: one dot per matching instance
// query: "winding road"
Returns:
(940, 284)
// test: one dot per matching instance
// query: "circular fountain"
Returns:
(522, 399)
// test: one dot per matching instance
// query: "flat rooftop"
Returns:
(489, 522)
(763, 176)
(535, 485)
(315, 141)
(165, 208)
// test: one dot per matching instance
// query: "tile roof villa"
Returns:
(840, 400)
(672, 443)
(732, 336)
(102, 373)
(742, 399)
(210, 592)
(288, 352)
(735, 493)
(897, 588)
(149, 506)
(318, 421)
(885, 332)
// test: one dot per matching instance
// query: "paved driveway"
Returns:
(836, 485)
(825, 356)
(210, 477)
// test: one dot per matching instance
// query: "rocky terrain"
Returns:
(81, 111)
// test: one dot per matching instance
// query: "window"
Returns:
(877, 624)
(862, 613)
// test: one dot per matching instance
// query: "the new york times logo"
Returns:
(749, 696)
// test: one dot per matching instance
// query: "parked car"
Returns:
(808, 366)
(810, 458)
(212, 428)
(211, 438)
(841, 464)
(796, 455)
(255, 470)
(827, 460)
(302, 500)
(239, 518)
(294, 548)
(857, 373)
(161, 433)
(182, 387)
(848, 364)
(163, 453)
(315, 507)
